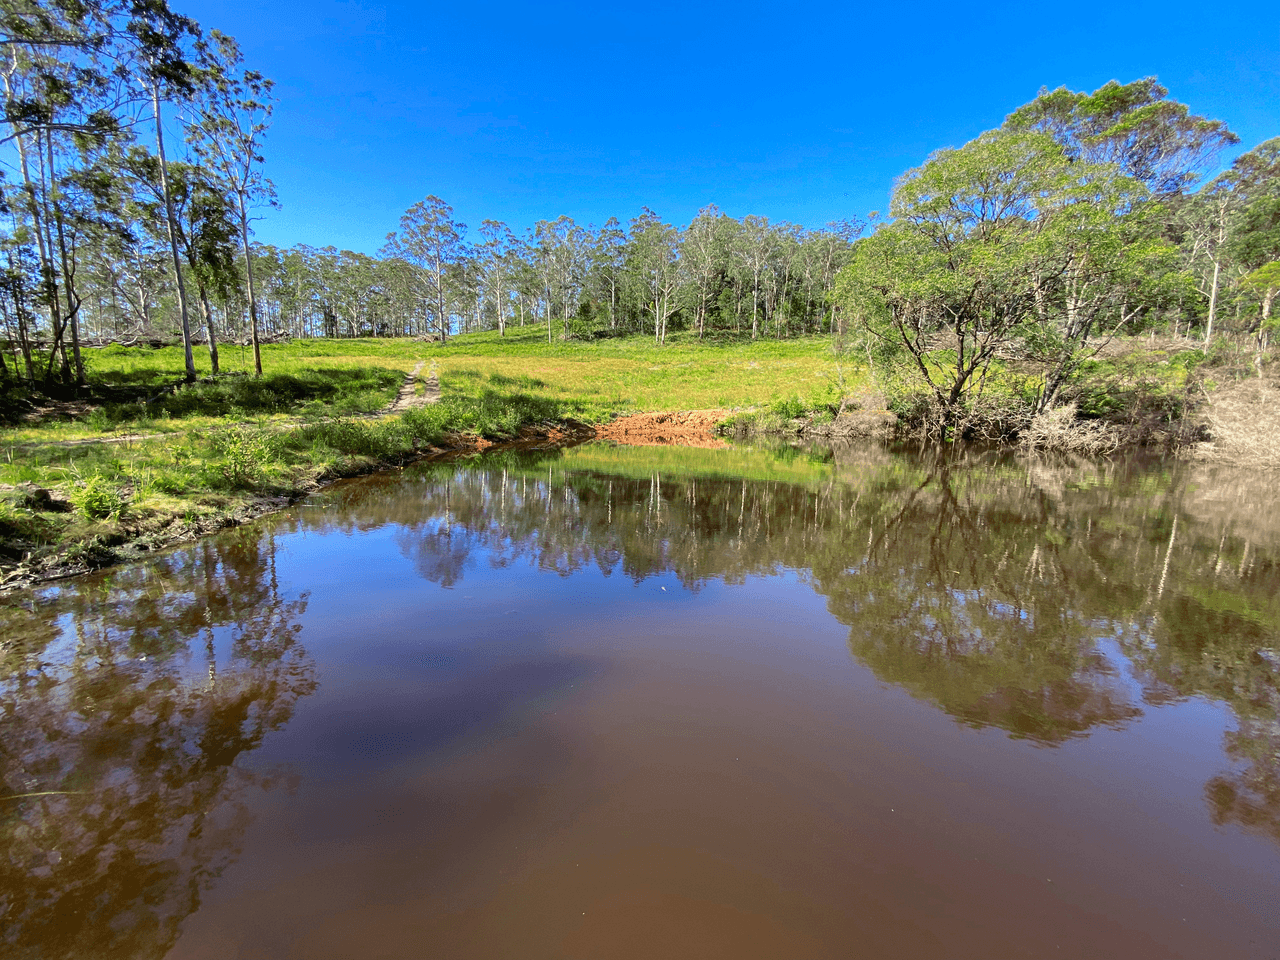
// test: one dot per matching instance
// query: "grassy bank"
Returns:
(139, 460)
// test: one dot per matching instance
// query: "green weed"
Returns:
(98, 499)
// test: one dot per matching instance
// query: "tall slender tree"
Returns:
(430, 239)
(227, 130)
(164, 73)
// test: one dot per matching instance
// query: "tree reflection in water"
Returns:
(125, 702)
(1040, 598)
(1045, 599)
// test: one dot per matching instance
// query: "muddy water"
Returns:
(662, 703)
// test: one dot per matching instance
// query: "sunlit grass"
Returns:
(185, 450)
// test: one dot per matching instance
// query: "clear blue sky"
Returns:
(798, 111)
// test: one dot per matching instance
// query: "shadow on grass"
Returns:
(523, 382)
(340, 390)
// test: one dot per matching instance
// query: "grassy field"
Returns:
(634, 374)
(144, 460)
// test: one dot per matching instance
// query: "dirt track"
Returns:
(409, 398)
(687, 428)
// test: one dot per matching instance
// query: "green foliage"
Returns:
(22, 527)
(788, 408)
(241, 457)
(98, 499)
(1010, 247)
(1150, 138)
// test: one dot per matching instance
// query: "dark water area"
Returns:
(626, 703)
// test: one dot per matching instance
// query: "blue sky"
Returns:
(796, 111)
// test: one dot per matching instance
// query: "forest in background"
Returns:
(133, 168)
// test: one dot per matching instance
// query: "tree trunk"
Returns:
(47, 273)
(248, 282)
(171, 223)
(68, 290)
(755, 305)
(1213, 300)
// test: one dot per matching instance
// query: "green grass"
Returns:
(188, 453)
(633, 374)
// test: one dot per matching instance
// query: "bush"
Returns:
(241, 456)
(98, 499)
(788, 408)
(20, 526)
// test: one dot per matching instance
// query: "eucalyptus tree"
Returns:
(528, 277)
(355, 290)
(466, 288)
(498, 268)
(226, 130)
(129, 278)
(430, 239)
(703, 255)
(561, 263)
(209, 224)
(182, 202)
(827, 251)
(655, 267)
(16, 270)
(58, 108)
(163, 73)
(754, 250)
(608, 261)
(1217, 220)
(1254, 244)
(1206, 218)
(401, 282)
(777, 277)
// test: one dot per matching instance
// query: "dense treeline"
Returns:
(102, 206)
(133, 163)
(716, 275)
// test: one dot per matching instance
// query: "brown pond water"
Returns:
(664, 703)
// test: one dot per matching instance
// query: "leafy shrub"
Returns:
(170, 482)
(98, 499)
(788, 408)
(241, 456)
(18, 525)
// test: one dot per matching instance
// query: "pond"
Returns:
(615, 702)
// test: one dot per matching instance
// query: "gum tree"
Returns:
(226, 131)
(430, 239)
(163, 73)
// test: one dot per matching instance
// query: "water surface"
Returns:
(665, 703)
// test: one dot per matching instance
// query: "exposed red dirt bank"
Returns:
(687, 428)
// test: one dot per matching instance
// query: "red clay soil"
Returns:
(687, 428)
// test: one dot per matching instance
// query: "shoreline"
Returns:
(157, 530)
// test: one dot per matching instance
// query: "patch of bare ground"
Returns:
(1243, 420)
(410, 397)
(686, 428)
